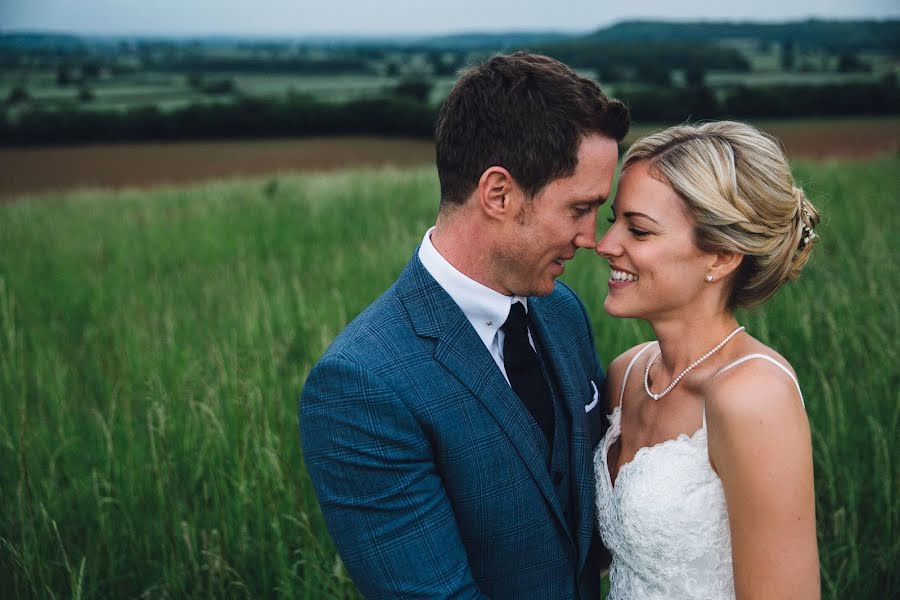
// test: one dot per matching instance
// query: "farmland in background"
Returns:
(153, 345)
(66, 89)
(130, 72)
(169, 90)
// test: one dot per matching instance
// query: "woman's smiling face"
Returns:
(657, 269)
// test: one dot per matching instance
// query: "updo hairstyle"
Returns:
(737, 186)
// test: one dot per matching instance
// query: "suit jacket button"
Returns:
(557, 478)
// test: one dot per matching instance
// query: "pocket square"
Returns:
(590, 407)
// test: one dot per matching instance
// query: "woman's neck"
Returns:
(683, 341)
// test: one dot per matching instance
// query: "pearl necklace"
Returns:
(685, 372)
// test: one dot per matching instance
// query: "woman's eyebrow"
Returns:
(640, 214)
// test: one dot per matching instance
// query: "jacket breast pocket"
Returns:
(594, 409)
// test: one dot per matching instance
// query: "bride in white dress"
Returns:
(705, 476)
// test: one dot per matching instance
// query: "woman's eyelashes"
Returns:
(634, 230)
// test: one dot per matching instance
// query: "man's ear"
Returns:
(724, 264)
(495, 193)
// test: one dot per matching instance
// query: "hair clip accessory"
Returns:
(807, 234)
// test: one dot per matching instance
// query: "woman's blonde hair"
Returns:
(737, 186)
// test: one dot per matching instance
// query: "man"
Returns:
(449, 430)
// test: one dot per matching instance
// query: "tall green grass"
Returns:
(153, 346)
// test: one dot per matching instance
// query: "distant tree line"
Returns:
(246, 118)
(405, 112)
(833, 35)
(881, 98)
(675, 104)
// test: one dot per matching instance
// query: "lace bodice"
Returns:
(665, 520)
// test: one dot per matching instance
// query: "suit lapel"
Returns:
(435, 315)
(574, 389)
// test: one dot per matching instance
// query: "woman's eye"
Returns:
(634, 230)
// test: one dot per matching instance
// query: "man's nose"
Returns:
(587, 236)
(584, 240)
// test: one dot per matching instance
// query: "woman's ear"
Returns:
(495, 193)
(724, 264)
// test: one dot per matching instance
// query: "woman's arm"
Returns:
(759, 443)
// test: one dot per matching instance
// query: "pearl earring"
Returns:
(709, 278)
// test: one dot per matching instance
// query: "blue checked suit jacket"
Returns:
(425, 461)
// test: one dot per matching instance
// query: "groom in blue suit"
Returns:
(449, 429)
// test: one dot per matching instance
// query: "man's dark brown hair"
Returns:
(525, 112)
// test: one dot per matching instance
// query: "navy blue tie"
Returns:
(524, 370)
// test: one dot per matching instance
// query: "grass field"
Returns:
(153, 346)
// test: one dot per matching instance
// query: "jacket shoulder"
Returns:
(563, 298)
(380, 327)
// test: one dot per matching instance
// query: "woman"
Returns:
(705, 476)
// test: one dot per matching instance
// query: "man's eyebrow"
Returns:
(640, 214)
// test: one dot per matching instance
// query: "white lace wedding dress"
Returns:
(665, 520)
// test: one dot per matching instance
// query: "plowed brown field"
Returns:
(821, 139)
(27, 171)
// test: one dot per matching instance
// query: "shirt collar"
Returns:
(485, 308)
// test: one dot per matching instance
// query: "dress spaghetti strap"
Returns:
(749, 357)
(628, 370)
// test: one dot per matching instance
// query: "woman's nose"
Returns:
(607, 245)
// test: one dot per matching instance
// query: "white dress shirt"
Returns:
(485, 308)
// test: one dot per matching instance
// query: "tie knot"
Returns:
(517, 321)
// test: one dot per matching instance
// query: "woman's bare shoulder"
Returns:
(615, 373)
(755, 400)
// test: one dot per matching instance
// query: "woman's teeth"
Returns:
(622, 276)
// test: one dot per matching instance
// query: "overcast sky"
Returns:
(373, 17)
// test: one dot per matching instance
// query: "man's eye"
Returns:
(638, 232)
